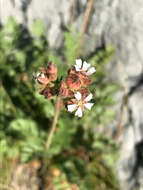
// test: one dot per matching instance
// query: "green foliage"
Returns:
(38, 28)
(71, 46)
(84, 157)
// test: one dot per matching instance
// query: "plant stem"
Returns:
(72, 12)
(85, 25)
(55, 120)
(121, 123)
(125, 98)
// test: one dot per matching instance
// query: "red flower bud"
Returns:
(42, 78)
(73, 82)
(52, 71)
(81, 76)
(43, 70)
(47, 92)
(85, 80)
(84, 92)
(64, 91)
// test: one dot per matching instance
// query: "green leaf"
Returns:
(10, 26)
(20, 57)
(71, 46)
(61, 139)
(38, 29)
(48, 107)
(25, 127)
(31, 149)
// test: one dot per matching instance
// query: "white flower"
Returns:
(79, 66)
(80, 104)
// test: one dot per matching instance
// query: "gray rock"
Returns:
(119, 23)
(113, 22)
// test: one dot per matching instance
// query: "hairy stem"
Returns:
(55, 120)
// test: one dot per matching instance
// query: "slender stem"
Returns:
(55, 120)
(122, 117)
(85, 25)
(121, 123)
(72, 11)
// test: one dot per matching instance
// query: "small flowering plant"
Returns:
(73, 92)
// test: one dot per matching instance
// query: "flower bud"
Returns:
(73, 82)
(47, 92)
(84, 92)
(64, 91)
(52, 71)
(85, 80)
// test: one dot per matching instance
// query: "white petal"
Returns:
(88, 105)
(91, 71)
(85, 66)
(77, 68)
(72, 107)
(78, 96)
(79, 63)
(78, 112)
(42, 75)
(36, 75)
(39, 80)
(89, 97)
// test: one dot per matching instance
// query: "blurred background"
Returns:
(101, 151)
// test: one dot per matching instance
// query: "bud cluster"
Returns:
(74, 90)
(46, 79)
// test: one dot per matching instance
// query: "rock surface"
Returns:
(113, 22)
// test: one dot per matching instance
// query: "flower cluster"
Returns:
(45, 78)
(74, 90)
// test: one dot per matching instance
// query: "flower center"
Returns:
(80, 103)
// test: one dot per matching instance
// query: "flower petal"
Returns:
(78, 63)
(37, 75)
(85, 66)
(72, 107)
(42, 76)
(77, 68)
(78, 96)
(78, 112)
(89, 97)
(91, 71)
(88, 105)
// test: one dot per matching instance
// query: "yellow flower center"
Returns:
(80, 103)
